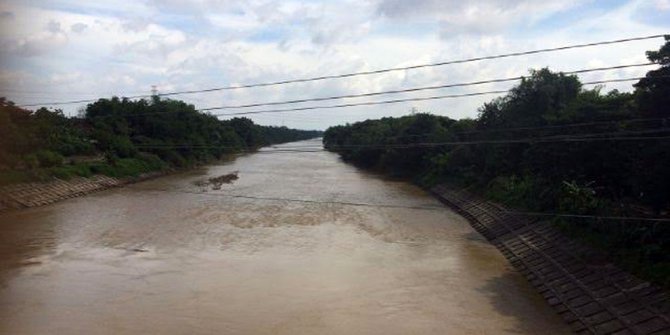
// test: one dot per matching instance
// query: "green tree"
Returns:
(653, 91)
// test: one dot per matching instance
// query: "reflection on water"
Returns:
(162, 256)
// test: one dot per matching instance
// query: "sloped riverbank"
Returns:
(593, 296)
(26, 195)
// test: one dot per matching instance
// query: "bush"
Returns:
(153, 161)
(174, 158)
(31, 162)
(116, 145)
(513, 191)
(577, 199)
(126, 167)
(69, 171)
(102, 168)
(14, 177)
(48, 158)
(132, 167)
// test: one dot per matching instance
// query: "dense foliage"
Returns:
(552, 146)
(120, 137)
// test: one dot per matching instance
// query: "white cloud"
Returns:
(474, 17)
(211, 43)
(662, 4)
(38, 44)
(53, 27)
(78, 27)
(6, 15)
(154, 41)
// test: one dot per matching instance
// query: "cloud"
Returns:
(78, 27)
(154, 41)
(53, 27)
(653, 13)
(124, 50)
(663, 5)
(38, 44)
(474, 17)
(6, 15)
(135, 25)
(198, 8)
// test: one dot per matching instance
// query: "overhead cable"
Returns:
(394, 101)
(362, 73)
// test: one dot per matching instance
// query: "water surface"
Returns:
(301, 243)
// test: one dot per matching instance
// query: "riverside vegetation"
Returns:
(550, 145)
(122, 138)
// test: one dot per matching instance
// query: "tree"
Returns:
(653, 91)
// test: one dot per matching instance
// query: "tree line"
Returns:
(549, 145)
(121, 137)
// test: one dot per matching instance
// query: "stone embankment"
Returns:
(36, 194)
(593, 296)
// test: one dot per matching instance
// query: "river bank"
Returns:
(39, 193)
(27, 195)
(593, 296)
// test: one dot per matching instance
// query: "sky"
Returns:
(69, 50)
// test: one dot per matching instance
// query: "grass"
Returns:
(639, 249)
(14, 177)
(120, 168)
(128, 167)
(68, 171)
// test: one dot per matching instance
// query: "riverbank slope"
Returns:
(26, 195)
(592, 295)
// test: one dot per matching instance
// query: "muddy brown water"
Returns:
(163, 257)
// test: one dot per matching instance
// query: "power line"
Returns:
(584, 216)
(362, 73)
(569, 125)
(467, 60)
(408, 90)
(518, 141)
(536, 140)
(370, 103)
(590, 137)
(235, 153)
(439, 207)
(349, 96)
(309, 201)
(572, 125)
(245, 151)
(394, 101)
(638, 132)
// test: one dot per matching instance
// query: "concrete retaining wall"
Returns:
(593, 296)
(38, 194)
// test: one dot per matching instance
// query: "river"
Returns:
(301, 243)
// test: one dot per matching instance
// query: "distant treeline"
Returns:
(552, 146)
(120, 137)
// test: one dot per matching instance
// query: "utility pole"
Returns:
(154, 90)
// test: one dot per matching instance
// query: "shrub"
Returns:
(31, 161)
(69, 171)
(126, 167)
(102, 168)
(12, 177)
(173, 158)
(521, 192)
(48, 158)
(578, 199)
(153, 161)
